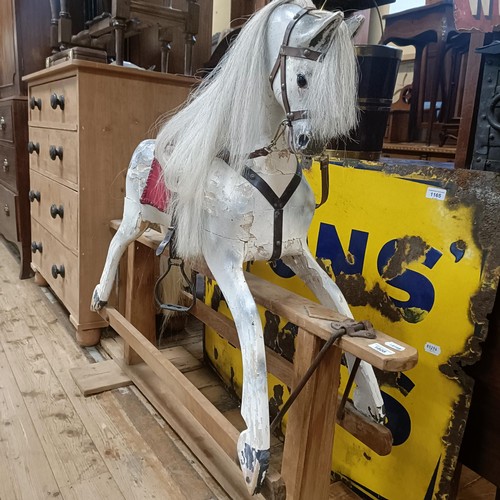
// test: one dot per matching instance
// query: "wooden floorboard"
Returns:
(24, 468)
(56, 443)
(53, 441)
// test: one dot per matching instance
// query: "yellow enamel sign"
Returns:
(405, 247)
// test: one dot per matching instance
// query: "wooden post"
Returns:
(465, 141)
(140, 283)
(311, 422)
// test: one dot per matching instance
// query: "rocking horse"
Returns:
(232, 186)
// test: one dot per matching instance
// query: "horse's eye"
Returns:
(301, 81)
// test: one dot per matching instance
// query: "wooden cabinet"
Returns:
(14, 178)
(24, 42)
(24, 45)
(88, 119)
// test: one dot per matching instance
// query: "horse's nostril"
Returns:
(303, 140)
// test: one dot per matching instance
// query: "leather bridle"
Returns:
(280, 64)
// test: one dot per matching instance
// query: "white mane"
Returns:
(227, 112)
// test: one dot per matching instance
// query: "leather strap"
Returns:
(300, 52)
(277, 202)
(325, 180)
(280, 64)
(286, 38)
(258, 153)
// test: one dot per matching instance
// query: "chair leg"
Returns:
(119, 26)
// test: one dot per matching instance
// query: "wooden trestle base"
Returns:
(306, 464)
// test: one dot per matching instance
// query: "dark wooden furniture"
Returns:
(480, 449)
(14, 178)
(163, 35)
(24, 44)
(431, 30)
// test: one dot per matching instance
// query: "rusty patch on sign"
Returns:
(478, 191)
(408, 249)
(232, 388)
(275, 403)
(280, 340)
(454, 367)
(353, 287)
(397, 380)
(453, 441)
(217, 297)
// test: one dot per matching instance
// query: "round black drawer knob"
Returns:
(34, 195)
(36, 247)
(56, 210)
(33, 147)
(35, 103)
(58, 271)
(56, 100)
(55, 152)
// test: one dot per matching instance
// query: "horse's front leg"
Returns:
(131, 227)
(254, 442)
(367, 397)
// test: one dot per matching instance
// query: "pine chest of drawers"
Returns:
(85, 120)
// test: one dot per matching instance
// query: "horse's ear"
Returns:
(325, 23)
(354, 23)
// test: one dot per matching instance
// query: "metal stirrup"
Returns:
(173, 261)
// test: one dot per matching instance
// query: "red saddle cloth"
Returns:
(155, 193)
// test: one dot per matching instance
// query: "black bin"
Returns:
(378, 70)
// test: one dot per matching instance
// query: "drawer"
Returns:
(55, 207)
(8, 166)
(45, 159)
(6, 123)
(54, 254)
(8, 225)
(54, 104)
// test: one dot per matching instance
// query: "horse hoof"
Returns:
(97, 304)
(254, 464)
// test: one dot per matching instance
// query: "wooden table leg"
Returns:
(140, 307)
(311, 422)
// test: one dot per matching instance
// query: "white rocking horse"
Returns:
(235, 189)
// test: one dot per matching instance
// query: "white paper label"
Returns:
(435, 193)
(432, 349)
(381, 349)
(395, 346)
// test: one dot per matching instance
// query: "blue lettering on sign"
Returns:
(417, 286)
(329, 247)
(282, 270)
(398, 418)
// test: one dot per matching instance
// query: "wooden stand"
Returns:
(305, 471)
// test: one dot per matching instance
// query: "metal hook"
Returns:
(279, 132)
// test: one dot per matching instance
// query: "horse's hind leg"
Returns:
(367, 397)
(254, 442)
(131, 227)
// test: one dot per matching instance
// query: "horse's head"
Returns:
(307, 91)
